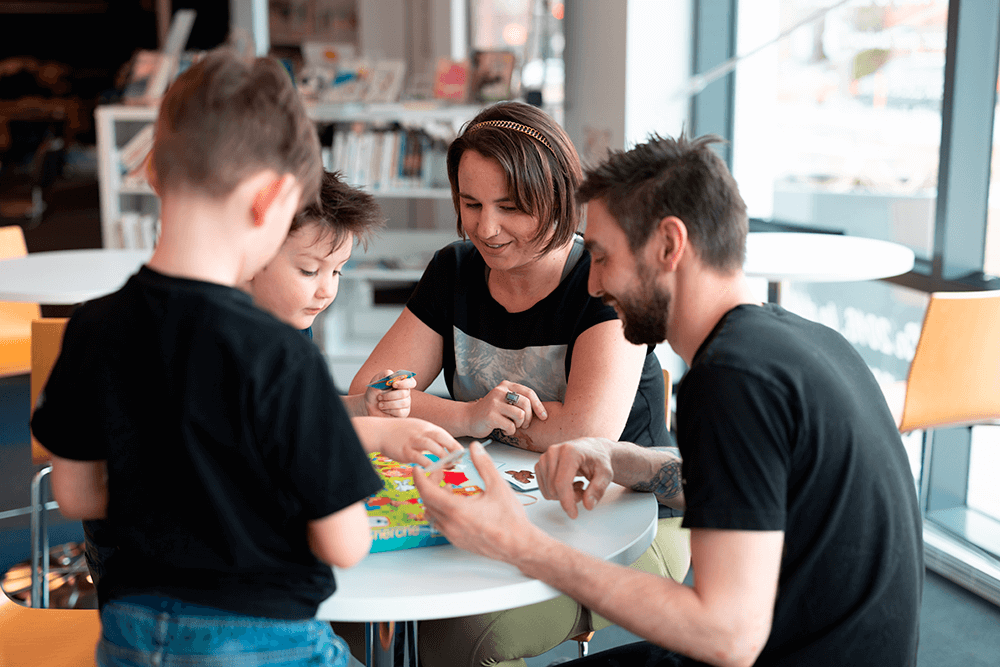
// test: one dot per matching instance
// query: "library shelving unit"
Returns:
(124, 132)
(349, 330)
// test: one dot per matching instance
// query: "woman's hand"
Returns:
(394, 402)
(495, 411)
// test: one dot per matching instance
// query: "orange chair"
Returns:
(954, 378)
(46, 342)
(15, 318)
(50, 637)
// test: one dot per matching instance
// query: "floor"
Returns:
(958, 628)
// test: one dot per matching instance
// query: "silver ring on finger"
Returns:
(512, 397)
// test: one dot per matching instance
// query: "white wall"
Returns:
(625, 62)
(658, 66)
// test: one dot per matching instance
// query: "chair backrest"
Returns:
(15, 318)
(46, 342)
(668, 388)
(954, 378)
(56, 637)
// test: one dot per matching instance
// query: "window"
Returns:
(838, 124)
(867, 117)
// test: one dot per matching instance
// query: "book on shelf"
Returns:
(385, 81)
(396, 513)
(384, 158)
(492, 72)
(136, 231)
(136, 150)
(451, 80)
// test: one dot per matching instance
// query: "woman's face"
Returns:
(501, 233)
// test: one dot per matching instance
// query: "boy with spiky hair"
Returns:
(206, 432)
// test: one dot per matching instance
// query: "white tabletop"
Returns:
(65, 277)
(443, 581)
(803, 257)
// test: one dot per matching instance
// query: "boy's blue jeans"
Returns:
(152, 631)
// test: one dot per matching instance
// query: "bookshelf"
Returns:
(123, 133)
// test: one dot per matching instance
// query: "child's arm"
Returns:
(403, 440)
(343, 538)
(80, 488)
(373, 402)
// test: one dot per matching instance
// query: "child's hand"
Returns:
(393, 402)
(407, 440)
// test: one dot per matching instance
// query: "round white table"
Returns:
(443, 582)
(66, 277)
(795, 256)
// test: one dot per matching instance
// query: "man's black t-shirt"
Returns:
(223, 435)
(782, 426)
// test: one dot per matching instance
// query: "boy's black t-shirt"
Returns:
(223, 435)
(782, 427)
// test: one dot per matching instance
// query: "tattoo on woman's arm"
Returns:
(666, 483)
(521, 440)
(499, 436)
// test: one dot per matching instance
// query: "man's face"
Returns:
(624, 280)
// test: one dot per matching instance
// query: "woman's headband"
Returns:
(512, 125)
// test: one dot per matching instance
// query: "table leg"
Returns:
(384, 642)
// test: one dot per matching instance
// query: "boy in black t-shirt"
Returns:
(205, 431)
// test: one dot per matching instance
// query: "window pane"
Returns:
(838, 125)
(991, 262)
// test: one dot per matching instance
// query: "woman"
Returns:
(529, 357)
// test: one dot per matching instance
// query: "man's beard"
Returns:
(644, 314)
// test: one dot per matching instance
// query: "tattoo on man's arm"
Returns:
(666, 483)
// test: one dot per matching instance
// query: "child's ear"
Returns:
(151, 177)
(268, 194)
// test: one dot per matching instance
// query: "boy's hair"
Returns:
(674, 177)
(542, 166)
(341, 210)
(227, 118)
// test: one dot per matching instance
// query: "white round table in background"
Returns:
(795, 256)
(66, 277)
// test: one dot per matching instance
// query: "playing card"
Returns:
(521, 478)
(386, 382)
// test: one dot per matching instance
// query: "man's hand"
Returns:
(495, 411)
(394, 402)
(491, 524)
(555, 470)
(404, 440)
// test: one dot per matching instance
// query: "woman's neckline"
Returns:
(517, 301)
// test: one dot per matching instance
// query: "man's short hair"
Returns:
(542, 166)
(341, 210)
(227, 118)
(674, 177)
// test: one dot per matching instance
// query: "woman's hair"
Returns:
(681, 177)
(226, 119)
(542, 166)
(340, 210)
